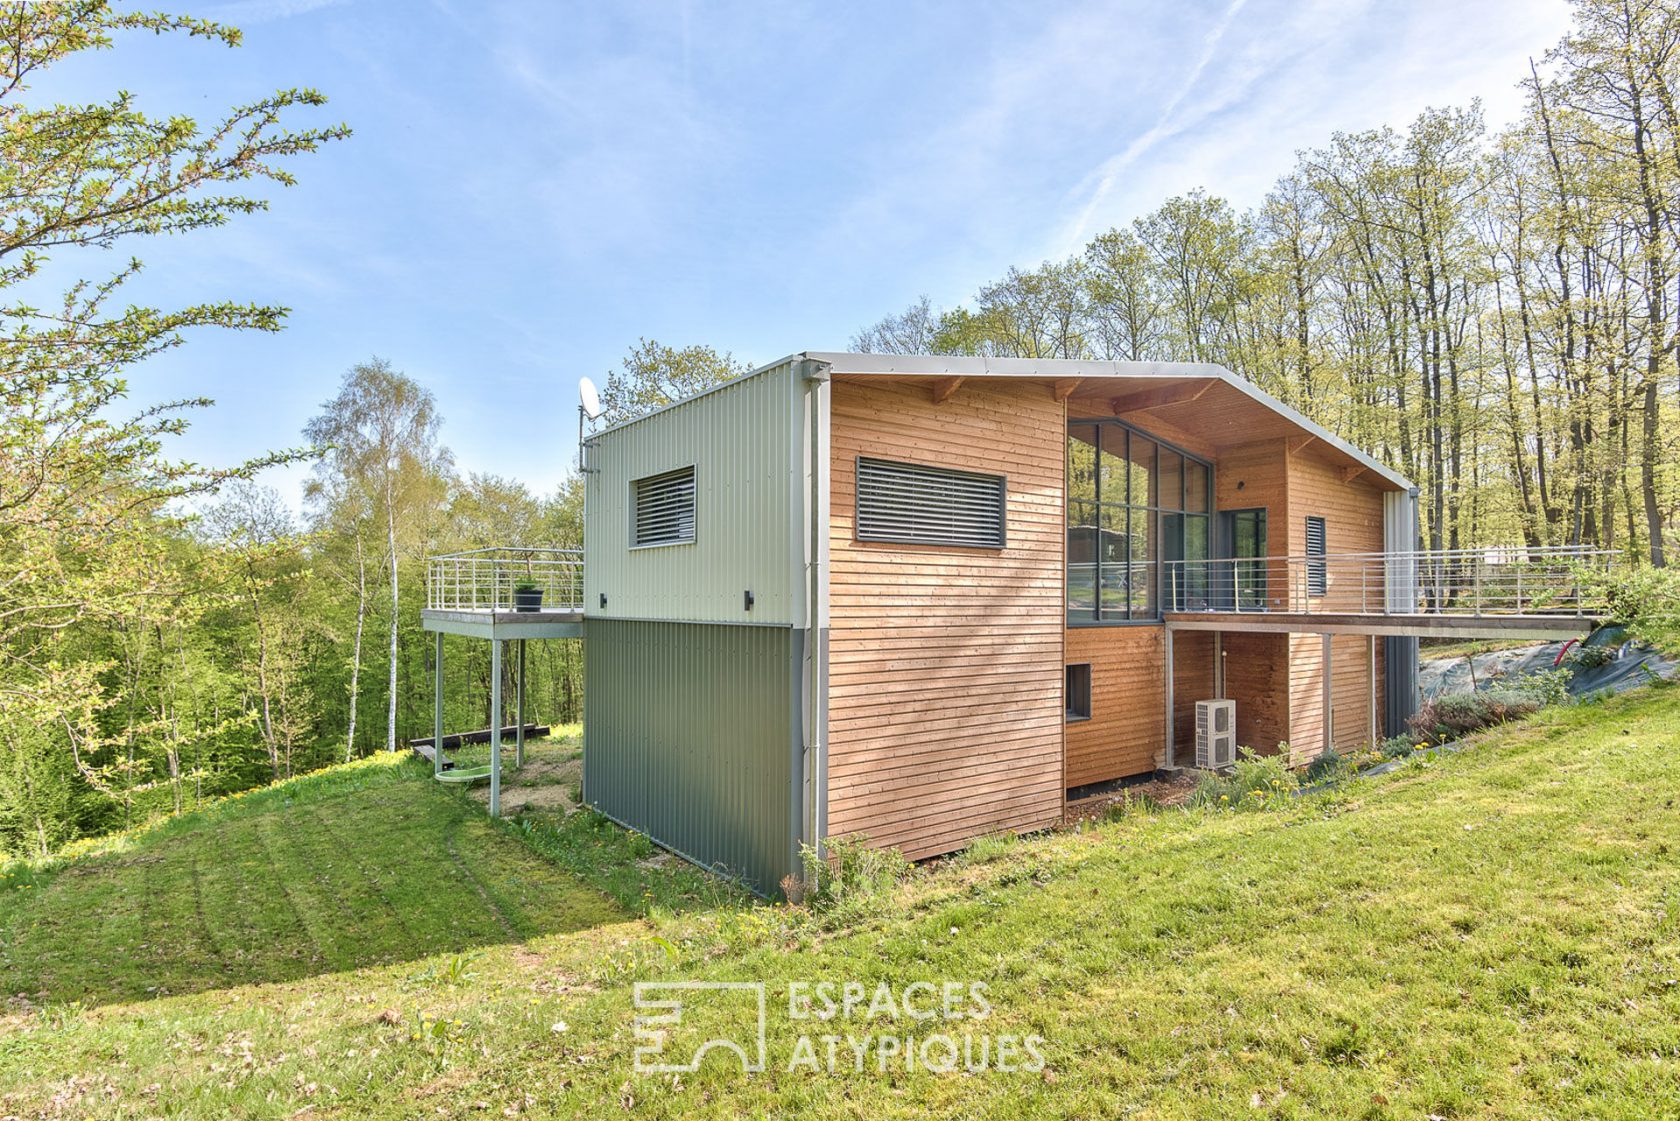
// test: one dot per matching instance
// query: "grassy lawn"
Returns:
(354, 866)
(1494, 933)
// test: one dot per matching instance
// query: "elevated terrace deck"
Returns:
(1501, 592)
(509, 592)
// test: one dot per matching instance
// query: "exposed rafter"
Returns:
(1299, 443)
(1353, 472)
(943, 388)
(1064, 387)
(1178, 393)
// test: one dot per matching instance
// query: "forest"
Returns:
(1495, 312)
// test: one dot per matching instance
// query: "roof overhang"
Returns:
(1203, 406)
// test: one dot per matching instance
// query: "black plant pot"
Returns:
(527, 599)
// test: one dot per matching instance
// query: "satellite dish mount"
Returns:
(589, 409)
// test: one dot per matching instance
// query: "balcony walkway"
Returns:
(1385, 624)
(1506, 592)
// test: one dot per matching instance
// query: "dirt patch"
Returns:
(546, 783)
(1173, 791)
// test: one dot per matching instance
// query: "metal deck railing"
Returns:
(498, 579)
(1491, 582)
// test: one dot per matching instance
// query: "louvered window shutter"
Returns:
(1317, 574)
(916, 505)
(663, 511)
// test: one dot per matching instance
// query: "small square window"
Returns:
(1078, 691)
(662, 509)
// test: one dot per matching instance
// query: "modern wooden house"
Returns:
(921, 599)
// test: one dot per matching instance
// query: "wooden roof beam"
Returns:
(945, 388)
(1063, 388)
(1352, 472)
(1297, 444)
(1179, 393)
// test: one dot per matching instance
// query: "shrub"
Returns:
(1645, 600)
(853, 873)
(1329, 766)
(1547, 686)
(1255, 783)
(1398, 747)
(1591, 657)
(1459, 714)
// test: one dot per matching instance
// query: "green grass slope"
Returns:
(1494, 933)
(354, 866)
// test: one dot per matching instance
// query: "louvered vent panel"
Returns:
(1317, 575)
(664, 508)
(917, 505)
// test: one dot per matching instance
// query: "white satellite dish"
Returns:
(591, 400)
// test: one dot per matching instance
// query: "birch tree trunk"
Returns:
(356, 650)
(391, 545)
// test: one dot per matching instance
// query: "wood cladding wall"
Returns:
(945, 665)
(1352, 513)
(1257, 678)
(1126, 734)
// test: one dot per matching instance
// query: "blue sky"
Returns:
(532, 187)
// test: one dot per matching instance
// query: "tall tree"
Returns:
(653, 375)
(380, 447)
(88, 540)
(915, 330)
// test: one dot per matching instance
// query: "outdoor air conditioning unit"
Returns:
(1216, 734)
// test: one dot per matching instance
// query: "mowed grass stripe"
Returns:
(316, 877)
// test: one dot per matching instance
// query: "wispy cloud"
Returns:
(1168, 122)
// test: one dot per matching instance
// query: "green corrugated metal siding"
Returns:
(689, 738)
(740, 439)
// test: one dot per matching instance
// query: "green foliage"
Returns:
(1369, 956)
(1644, 600)
(1327, 767)
(1458, 714)
(653, 375)
(1257, 782)
(1591, 657)
(1398, 747)
(1468, 372)
(854, 877)
(1546, 686)
(114, 701)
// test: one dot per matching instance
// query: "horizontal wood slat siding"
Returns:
(1257, 678)
(1193, 681)
(945, 664)
(1352, 513)
(1126, 734)
(1257, 666)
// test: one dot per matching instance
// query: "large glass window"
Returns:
(1137, 524)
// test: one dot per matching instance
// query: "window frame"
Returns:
(1069, 714)
(860, 536)
(1152, 516)
(694, 511)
